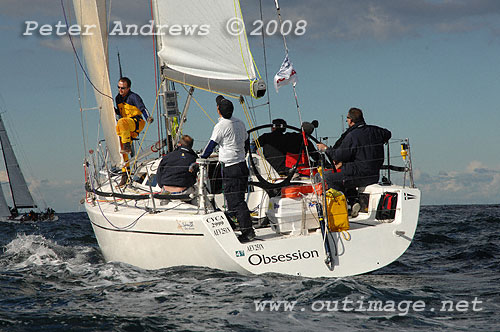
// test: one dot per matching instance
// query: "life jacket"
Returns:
(129, 111)
(128, 105)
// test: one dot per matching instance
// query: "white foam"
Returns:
(31, 249)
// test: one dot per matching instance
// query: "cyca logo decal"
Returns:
(240, 253)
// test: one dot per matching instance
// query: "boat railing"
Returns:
(99, 175)
(406, 169)
(204, 206)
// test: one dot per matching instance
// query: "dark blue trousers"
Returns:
(235, 184)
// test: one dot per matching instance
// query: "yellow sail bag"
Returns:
(336, 206)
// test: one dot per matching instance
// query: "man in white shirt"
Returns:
(231, 135)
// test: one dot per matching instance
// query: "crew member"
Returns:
(177, 170)
(358, 153)
(130, 110)
(231, 135)
(274, 146)
(282, 149)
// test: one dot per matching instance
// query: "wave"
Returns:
(28, 250)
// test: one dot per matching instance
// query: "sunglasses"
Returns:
(122, 88)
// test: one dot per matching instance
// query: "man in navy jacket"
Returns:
(358, 154)
(176, 171)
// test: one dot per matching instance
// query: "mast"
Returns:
(21, 195)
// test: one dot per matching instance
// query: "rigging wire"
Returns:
(84, 136)
(255, 137)
(265, 64)
(278, 10)
(197, 103)
(286, 53)
(156, 69)
(77, 59)
(76, 54)
(300, 116)
(79, 101)
(145, 131)
(293, 84)
(107, 27)
(132, 224)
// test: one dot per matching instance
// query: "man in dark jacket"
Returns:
(282, 149)
(176, 171)
(274, 146)
(358, 153)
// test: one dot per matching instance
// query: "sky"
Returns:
(425, 69)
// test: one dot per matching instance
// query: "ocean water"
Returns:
(53, 278)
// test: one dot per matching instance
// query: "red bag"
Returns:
(302, 167)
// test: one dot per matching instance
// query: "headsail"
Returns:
(199, 50)
(93, 13)
(20, 192)
(4, 208)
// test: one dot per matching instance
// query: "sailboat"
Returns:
(138, 225)
(21, 196)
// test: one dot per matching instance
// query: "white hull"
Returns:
(177, 235)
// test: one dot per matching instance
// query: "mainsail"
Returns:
(20, 193)
(200, 45)
(93, 13)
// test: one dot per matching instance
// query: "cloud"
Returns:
(326, 19)
(29, 8)
(475, 185)
(389, 19)
(130, 11)
(60, 44)
(330, 19)
(473, 165)
(63, 195)
(50, 12)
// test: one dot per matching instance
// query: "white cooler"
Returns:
(286, 214)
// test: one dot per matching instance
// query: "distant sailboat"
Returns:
(21, 196)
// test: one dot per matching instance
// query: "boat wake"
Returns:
(31, 250)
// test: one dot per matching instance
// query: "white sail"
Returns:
(93, 13)
(4, 208)
(198, 49)
(20, 192)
